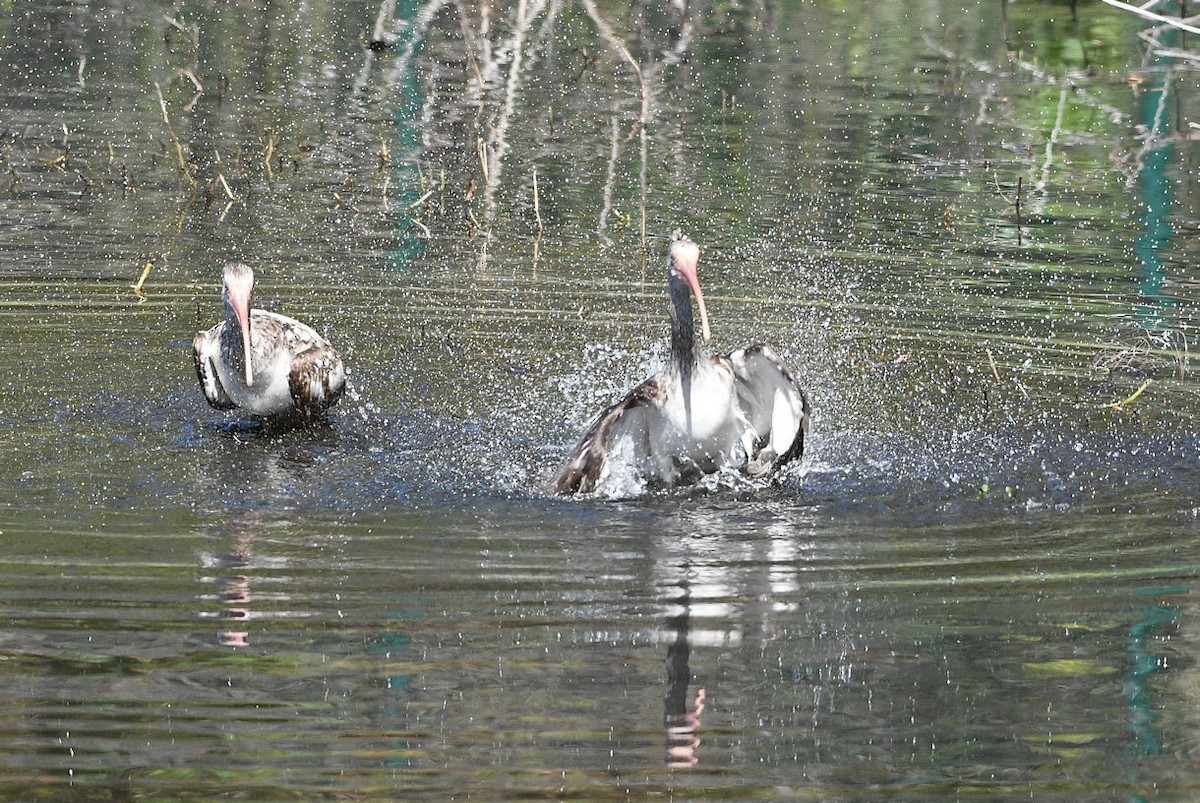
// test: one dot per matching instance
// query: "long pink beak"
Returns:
(247, 350)
(239, 299)
(687, 254)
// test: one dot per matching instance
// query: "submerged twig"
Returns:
(992, 363)
(193, 30)
(1131, 398)
(268, 154)
(421, 200)
(60, 161)
(137, 286)
(537, 213)
(1014, 201)
(162, 103)
(191, 76)
(221, 176)
(537, 209)
(996, 374)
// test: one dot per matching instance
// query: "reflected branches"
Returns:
(1062, 104)
(644, 76)
(1144, 12)
(496, 146)
(644, 96)
(459, 109)
(1043, 179)
(610, 179)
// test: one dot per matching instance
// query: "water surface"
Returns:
(974, 586)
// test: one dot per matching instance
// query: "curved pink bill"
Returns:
(239, 299)
(244, 320)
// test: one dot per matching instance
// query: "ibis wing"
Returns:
(773, 404)
(317, 379)
(205, 347)
(625, 424)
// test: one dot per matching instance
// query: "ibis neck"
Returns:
(683, 331)
(684, 350)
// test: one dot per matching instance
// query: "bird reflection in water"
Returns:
(682, 726)
(245, 471)
(234, 594)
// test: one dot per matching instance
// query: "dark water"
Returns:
(976, 585)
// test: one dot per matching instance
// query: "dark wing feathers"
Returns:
(775, 406)
(625, 418)
(317, 379)
(206, 372)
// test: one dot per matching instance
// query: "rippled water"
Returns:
(974, 586)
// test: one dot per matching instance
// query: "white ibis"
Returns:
(698, 414)
(268, 365)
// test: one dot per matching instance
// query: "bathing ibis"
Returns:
(700, 413)
(267, 365)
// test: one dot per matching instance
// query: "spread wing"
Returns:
(317, 379)
(773, 404)
(206, 346)
(624, 427)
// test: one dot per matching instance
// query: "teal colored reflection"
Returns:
(1144, 664)
(1154, 189)
(385, 645)
(408, 131)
